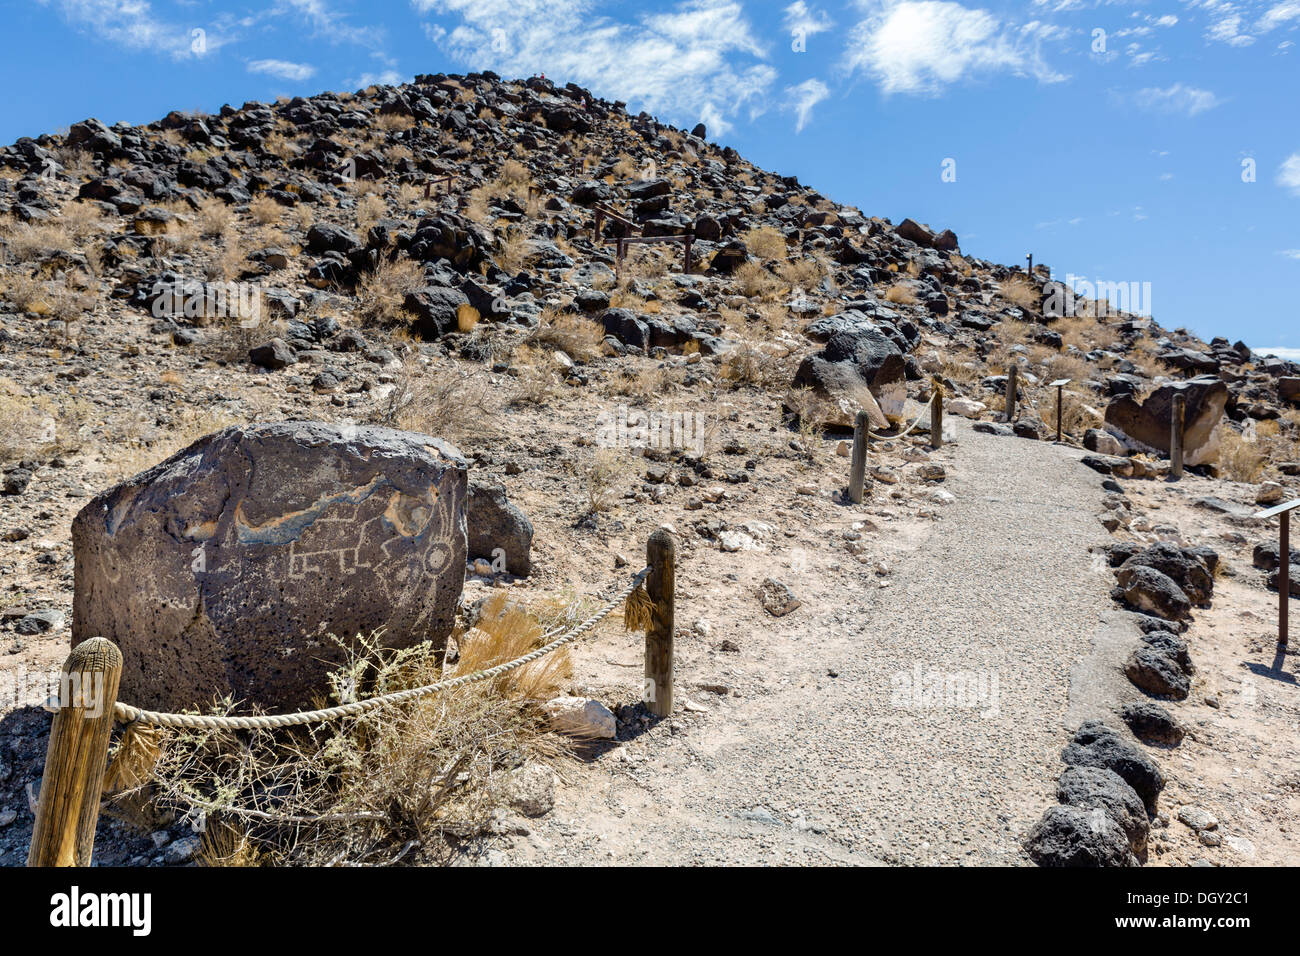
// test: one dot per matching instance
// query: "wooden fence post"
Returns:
(64, 832)
(858, 470)
(1013, 384)
(660, 586)
(936, 417)
(1178, 414)
(1284, 581)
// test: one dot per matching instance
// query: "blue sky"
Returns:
(1114, 140)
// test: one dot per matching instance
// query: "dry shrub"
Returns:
(370, 209)
(601, 476)
(407, 783)
(755, 281)
(29, 425)
(393, 122)
(502, 633)
(27, 240)
(515, 173)
(803, 273)
(513, 250)
(754, 361)
(443, 403)
(1241, 458)
(265, 210)
(901, 293)
(1018, 290)
(577, 336)
(213, 218)
(766, 242)
(380, 293)
(536, 375)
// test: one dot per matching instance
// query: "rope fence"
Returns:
(77, 771)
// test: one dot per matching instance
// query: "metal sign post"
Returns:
(1059, 385)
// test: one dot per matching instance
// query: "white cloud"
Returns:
(1290, 253)
(1288, 174)
(328, 23)
(284, 69)
(922, 46)
(698, 59)
(1176, 99)
(384, 78)
(1278, 14)
(132, 24)
(802, 98)
(1291, 355)
(805, 20)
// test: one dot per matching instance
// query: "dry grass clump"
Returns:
(577, 336)
(442, 403)
(26, 240)
(766, 242)
(754, 361)
(753, 280)
(370, 209)
(213, 218)
(601, 477)
(29, 425)
(536, 374)
(1019, 291)
(513, 250)
(393, 122)
(1241, 458)
(803, 273)
(380, 292)
(265, 210)
(901, 293)
(408, 783)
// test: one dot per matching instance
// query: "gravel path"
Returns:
(830, 759)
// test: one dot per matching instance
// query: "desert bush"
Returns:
(901, 293)
(754, 361)
(1019, 291)
(1241, 458)
(408, 783)
(265, 210)
(579, 337)
(753, 280)
(380, 292)
(601, 476)
(766, 242)
(439, 402)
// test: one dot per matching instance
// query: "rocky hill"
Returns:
(428, 257)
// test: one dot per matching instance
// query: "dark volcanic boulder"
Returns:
(1157, 673)
(1096, 745)
(1073, 836)
(495, 525)
(1186, 569)
(1151, 723)
(1151, 592)
(436, 310)
(863, 355)
(1149, 422)
(224, 569)
(1095, 787)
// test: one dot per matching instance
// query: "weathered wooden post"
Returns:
(936, 417)
(1178, 413)
(1013, 382)
(858, 470)
(1283, 511)
(1030, 267)
(64, 832)
(690, 238)
(660, 586)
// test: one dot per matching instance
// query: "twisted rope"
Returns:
(125, 713)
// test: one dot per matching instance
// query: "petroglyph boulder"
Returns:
(224, 569)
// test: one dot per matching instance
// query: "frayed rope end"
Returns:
(638, 611)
